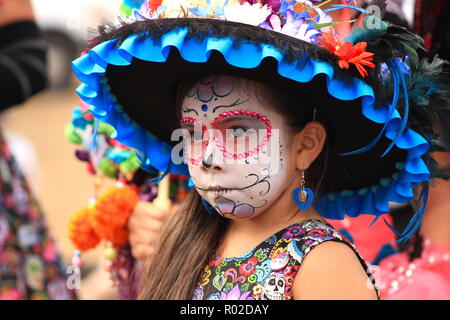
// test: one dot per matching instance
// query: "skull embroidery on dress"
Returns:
(273, 288)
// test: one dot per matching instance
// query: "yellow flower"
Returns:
(203, 3)
(257, 289)
(204, 278)
(174, 9)
(178, 8)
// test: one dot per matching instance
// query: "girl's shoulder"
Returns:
(308, 234)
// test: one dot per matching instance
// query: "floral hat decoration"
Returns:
(379, 98)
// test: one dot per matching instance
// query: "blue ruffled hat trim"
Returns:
(94, 90)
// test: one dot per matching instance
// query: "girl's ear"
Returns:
(308, 144)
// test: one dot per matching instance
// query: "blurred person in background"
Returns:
(30, 265)
(421, 270)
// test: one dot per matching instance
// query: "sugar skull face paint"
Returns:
(228, 131)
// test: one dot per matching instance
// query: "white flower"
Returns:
(299, 29)
(247, 13)
(172, 9)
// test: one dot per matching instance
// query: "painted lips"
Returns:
(220, 191)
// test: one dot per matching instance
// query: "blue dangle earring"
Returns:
(209, 208)
(303, 196)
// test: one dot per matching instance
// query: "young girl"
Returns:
(257, 231)
(281, 124)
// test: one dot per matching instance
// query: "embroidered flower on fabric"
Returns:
(291, 270)
(57, 290)
(198, 293)
(34, 272)
(235, 294)
(257, 291)
(247, 268)
(4, 231)
(204, 278)
(294, 231)
(216, 261)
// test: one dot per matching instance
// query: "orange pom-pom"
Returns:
(117, 236)
(81, 233)
(112, 210)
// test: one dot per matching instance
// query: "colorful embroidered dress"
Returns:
(30, 264)
(267, 272)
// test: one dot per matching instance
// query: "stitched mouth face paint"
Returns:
(225, 154)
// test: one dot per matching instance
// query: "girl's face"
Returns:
(237, 148)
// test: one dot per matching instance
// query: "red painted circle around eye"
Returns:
(249, 113)
(222, 148)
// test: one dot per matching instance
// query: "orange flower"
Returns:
(348, 53)
(154, 4)
(81, 233)
(111, 213)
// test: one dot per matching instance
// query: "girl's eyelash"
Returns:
(239, 127)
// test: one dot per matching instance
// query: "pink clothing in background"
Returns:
(424, 278)
(368, 240)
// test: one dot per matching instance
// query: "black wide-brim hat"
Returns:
(130, 79)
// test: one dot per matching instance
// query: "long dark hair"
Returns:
(192, 235)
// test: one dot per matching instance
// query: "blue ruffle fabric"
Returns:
(95, 91)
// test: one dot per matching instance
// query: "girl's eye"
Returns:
(195, 135)
(237, 131)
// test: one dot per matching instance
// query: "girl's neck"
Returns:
(244, 235)
(272, 220)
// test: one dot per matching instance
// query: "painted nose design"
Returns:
(207, 161)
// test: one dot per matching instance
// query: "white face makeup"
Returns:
(229, 132)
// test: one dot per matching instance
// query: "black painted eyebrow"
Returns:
(187, 110)
(234, 104)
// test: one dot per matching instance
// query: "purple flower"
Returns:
(198, 293)
(235, 294)
(294, 231)
(297, 28)
(273, 4)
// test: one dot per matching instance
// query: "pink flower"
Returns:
(273, 4)
(215, 261)
(247, 268)
(294, 231)
(235, 294)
